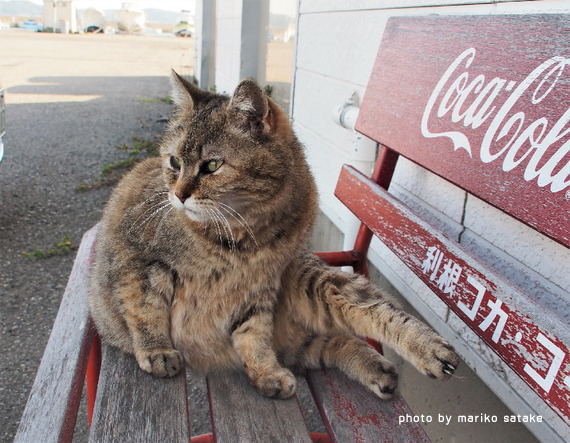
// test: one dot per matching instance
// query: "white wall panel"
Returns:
(343, 49)
(315, 98)
(326, 167)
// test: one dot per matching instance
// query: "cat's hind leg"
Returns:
(356, 358)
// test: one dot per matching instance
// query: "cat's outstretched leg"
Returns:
(356, 358)
(362, 308)
(338, 301)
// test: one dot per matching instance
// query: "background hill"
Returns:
(21, 8)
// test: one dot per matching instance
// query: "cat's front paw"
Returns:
(439, 360)
(160, 362)
(278, 383)
(381, 378)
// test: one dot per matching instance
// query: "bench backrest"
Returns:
(482, 101)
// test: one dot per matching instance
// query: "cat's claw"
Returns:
(439, 359)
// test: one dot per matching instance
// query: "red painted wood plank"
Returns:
(351, 413)
(532, 342)
(483, 101)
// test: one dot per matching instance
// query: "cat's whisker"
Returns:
(239, 218)
(136, 226)
(219, 227)
(156, 209)
(155, 213)
(149, 209)
(213, 217)
(161, 220)
(150, 199)
(227, 228)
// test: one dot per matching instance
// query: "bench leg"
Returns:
(93, 369)
(318, 437)
(205, 438)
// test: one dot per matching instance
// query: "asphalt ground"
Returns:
(71, 101)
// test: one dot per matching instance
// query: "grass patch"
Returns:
(166, 99)
(110, 173)
(64, 247)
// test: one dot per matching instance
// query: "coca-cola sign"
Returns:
(483, 102)
(510, 137)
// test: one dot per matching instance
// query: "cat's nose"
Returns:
(181, 196)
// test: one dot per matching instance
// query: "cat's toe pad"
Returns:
(277, 384)
(160, 362)
(384, 380)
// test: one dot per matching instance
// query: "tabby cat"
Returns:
(202, 260)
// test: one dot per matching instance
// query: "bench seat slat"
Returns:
(137, 406)
(352, 413)
(528, 338)
(239, 413)
(51, 410)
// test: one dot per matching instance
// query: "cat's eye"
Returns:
(175, 163)
(213, 165)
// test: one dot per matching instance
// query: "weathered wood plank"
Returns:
(528, 338)
(135, 406)
(239, 413)
(482, 101)
(51, 410)
(352, 413)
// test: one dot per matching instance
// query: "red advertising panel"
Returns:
(483, 101)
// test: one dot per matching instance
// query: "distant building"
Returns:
(60, 15)
(92, 20)
(130, 19)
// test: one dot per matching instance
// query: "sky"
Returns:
(276, 6)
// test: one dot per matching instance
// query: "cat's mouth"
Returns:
(196, 211)
(223, 216)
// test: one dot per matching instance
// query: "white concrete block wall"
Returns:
(240, 42)
(228, 37)
(336, 61)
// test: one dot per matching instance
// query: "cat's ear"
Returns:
(185, 94)
(249, 108)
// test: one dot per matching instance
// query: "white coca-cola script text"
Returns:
(472, 100)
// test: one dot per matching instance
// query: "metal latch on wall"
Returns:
(363, 151)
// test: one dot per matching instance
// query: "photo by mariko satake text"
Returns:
(480, 418)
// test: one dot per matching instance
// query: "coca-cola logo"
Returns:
(463, 99)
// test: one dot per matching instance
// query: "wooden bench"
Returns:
(419, 123)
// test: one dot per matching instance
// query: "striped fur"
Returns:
(202, 260)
